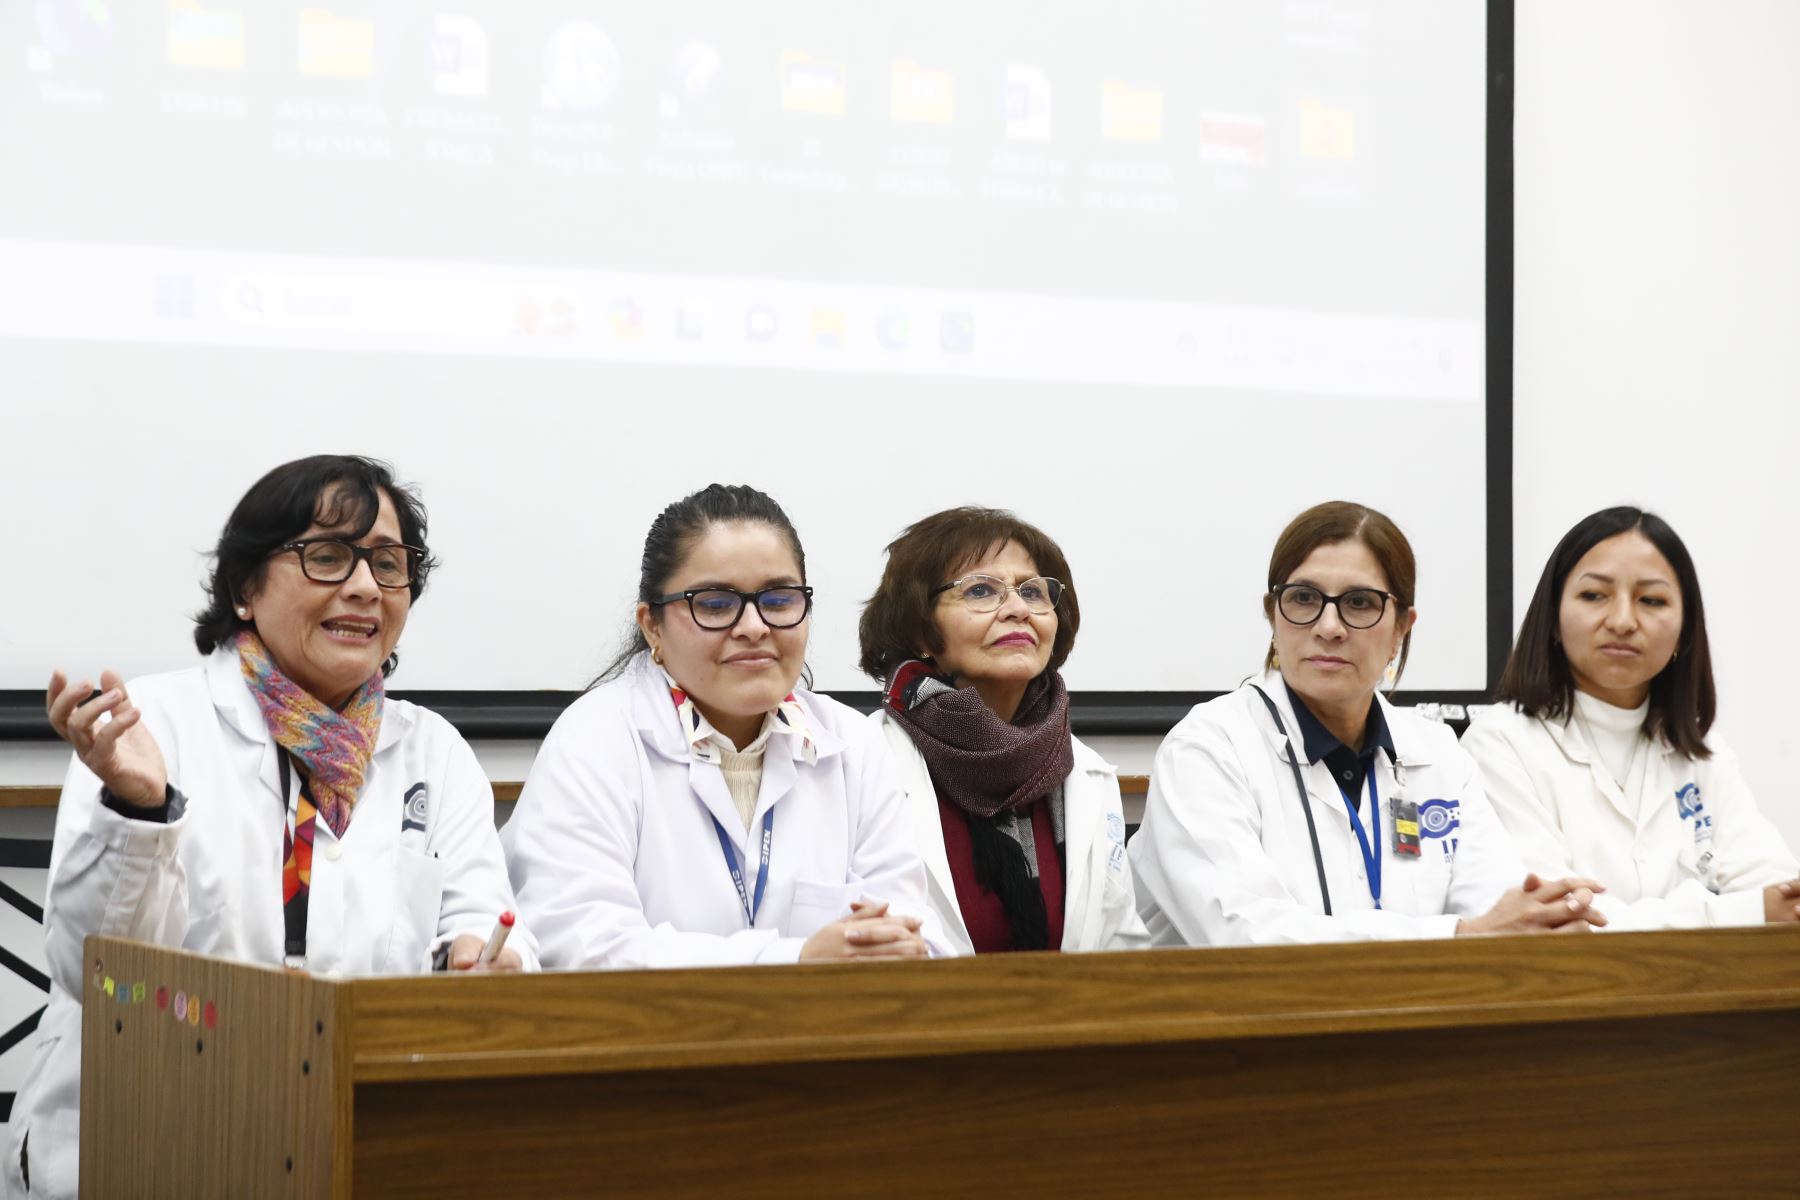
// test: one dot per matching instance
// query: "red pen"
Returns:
(496, 940)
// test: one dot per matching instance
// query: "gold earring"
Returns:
(656, 655)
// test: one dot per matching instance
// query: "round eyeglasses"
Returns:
(723, 608)
(1358, 608)
(327, 560)
(985, 594)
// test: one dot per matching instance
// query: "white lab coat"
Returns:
(1663, 868)
(1099, 907)
(617, 862)
(1223, 856)
(210, 880)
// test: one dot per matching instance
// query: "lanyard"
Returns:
(296, 861)
(751, 907)
(1371, 857)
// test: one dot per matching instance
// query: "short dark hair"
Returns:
(1537, 676)
(1345, 521)
(673, 534)
(897, 622)
(331, 489)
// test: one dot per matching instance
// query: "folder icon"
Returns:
(205, 36)
(1130, 114)
(811, 85)
(327, 44)
(922, 95)
(829, 327)
(1327, 132)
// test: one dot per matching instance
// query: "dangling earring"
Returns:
(1392, 676)
(656, 655)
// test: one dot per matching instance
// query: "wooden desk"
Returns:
(1660, 1064)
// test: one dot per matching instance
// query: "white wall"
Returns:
(1657, 301)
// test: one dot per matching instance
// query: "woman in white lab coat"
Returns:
(209, 808)
(1599, 756)
(1020, 824)
(1303, 807)
(697, 807)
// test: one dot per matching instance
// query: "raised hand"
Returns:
(118, 749)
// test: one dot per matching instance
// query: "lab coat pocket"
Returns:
(418, 901)
(1424, 881)
(816, 905)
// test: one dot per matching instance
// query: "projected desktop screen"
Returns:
(1154, 276)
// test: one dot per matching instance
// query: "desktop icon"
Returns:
(761, 323)
(690, 324)
(1327, 132)
(206, 35)
(581, 68)
(811, 85)
(894, 330)
(459, 56)
(72, 29)
(921, 95)
(1233, 139)
(626, 319)
(328, 44)
(956, 333)
(1130, 114)
(829, 328)
(695, 76)
(552, 318)
(174, 297)
(1025, 103)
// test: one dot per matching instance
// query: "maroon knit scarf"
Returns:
(978, 762)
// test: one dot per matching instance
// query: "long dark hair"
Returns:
(1537, 676)
(673, 534)
(331, 489)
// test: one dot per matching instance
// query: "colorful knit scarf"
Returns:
(333, 747)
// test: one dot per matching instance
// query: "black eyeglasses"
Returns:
(328, 560)
(723, 608)
(1358, 608)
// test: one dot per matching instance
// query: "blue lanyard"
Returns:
(1371, 857)
(751, 908)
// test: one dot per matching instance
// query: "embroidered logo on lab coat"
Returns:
(1442, 819)
(1688, 804)
(417, 809)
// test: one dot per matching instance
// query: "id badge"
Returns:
(1405, 815)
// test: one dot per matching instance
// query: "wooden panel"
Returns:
(628, 1021)
(29, 797)
(172, 1107)
(1134, 785)
(1663, 1107)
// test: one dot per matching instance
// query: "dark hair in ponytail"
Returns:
(672, 536)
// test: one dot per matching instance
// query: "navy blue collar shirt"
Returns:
(1348, 767)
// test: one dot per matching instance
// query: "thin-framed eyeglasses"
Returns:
(722, 608)
(985, 594)
(329, 560)
(1357, 608)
